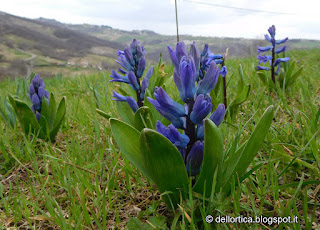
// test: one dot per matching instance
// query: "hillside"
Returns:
(51, 44)
(48, 47)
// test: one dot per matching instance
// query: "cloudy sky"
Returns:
(219, 18)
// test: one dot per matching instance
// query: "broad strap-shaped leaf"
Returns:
(8, 114)
(266, 79)
(26, 117)
(127, 139)
(290, 70)
(143, 118)
(237, 164)
(242, 97)
(125, 112)
(52, 111)
(60, 114)
(294, 77)
(212, 158)
(241, 81)
(165, 164)
(102, 113)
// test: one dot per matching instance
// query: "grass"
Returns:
(81, 181)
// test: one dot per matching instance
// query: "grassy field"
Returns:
(81, 181)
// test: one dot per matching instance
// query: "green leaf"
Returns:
(165, 164)
(212, 158)
(134, 224)
(295, 76)
(143, 118)
(59, 118)
(266, 80)
(242, 97)
(52, 111)
(237, 164)
(241, 81)
(127, 139)
(125, 112)
(290, 70)
(102, 113)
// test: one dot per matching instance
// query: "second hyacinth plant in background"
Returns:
(133, 63)
(274, 62)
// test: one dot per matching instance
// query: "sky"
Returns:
(216, 18)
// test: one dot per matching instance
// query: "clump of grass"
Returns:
(82, 181)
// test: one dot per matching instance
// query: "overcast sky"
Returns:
(298, 19)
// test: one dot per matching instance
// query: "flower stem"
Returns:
(138, 92)
(272, 67)
(190, 130)
(224, 88)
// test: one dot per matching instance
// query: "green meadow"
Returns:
(83, 181)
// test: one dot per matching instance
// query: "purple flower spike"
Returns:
(201, 108)
(36, 94)
(194, 159)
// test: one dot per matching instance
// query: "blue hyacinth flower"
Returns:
(195, 93)
(133, 65)
(36, 94)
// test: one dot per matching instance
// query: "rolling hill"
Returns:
(48, 47)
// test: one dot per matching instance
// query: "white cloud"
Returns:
(194, 18)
